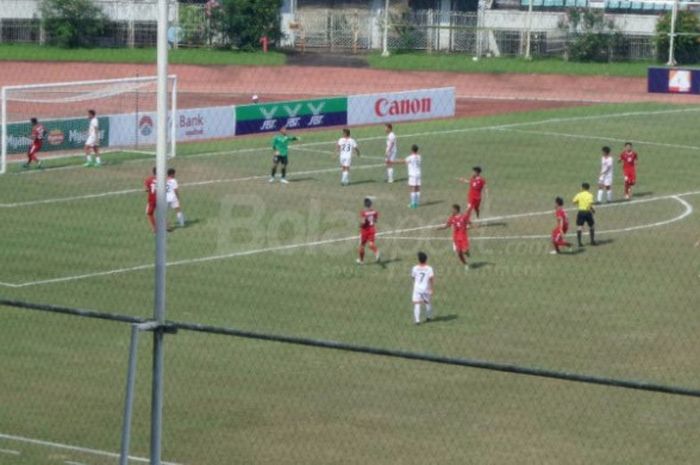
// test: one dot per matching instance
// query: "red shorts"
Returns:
(34, 148)
(150, 208)
(474, 203)
(631, 176)
(558, 237)
(367, 235)
(460, 243)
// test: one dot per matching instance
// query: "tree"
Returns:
(72, 23)
(686, 48)
(595, 38)
(243, 22)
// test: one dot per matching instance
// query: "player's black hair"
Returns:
(33, 120)
(368, 202)
(606, 150)
(559, 201)
(91, 112)
(171, 172)
(628, 143)
(586, 186)
(456, 207)
(477, 169)
(414, 148)
(389, 125)
(422, 258)
(346, 131)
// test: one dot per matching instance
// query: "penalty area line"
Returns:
(84, 450)
(386, 234)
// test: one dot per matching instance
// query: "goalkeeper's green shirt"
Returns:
(281, 144)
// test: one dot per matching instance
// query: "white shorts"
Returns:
(345, 162)
(414, 181)
(606, 180)
(422, 297)
(91, 142)
(174, 203)
(390, 157)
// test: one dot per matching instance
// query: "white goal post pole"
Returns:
(385, 30)
(161, 237)
(3, 155)
(528, 37)
(173, 118)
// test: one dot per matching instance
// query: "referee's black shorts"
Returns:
(585, 217)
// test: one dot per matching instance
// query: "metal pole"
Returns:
(385, 38)
(3, 155)
(129, 401)
(672, 35)
(173, 119)
(529, 31)
(161, 210)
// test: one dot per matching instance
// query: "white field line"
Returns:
(84, 450)
(70, 462)
(392, 233)
(10, 452)
(426, 133)
(613, 139)
(688, 210)
(207, 182)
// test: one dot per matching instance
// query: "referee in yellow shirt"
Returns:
(584, 202)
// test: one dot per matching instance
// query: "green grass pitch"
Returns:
(281, 259)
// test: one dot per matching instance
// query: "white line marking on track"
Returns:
(245, 253)
(589, 137)
(85, 450)
(417, 134)
(10, 452)
(70, 462)
(185, 184)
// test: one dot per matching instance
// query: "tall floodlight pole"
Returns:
(385, 34)
(529, 31)
(672, 35)
(161, 211)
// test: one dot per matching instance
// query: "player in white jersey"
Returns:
(413, 163)
(390, 152)
(605, 179)
(346, 148)
(172, 196)
(423, 281)
(92, 142)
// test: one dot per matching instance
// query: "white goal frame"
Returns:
(5, 89)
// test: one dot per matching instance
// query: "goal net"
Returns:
(125, 108)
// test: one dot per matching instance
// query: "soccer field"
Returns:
(281, 259)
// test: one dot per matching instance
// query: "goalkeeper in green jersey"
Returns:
(280, 147)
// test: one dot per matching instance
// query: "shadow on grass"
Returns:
(304, 179)
(432, 202)
(444, 318)
(383, 263)
(365, 181)
(477, 265)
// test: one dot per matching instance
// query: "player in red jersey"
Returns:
(460, 238)
(150, 185)
(37, 136)
(629, 159)
(562, 227)
(477, 184)
(368, 231)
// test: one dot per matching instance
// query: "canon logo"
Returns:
(386, 107)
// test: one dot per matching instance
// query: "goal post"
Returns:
(125, 107)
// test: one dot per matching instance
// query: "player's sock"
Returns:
(600, 195)
(181, 219)
(417, 198)
(578, 236)
(429, 311)
(609, 196)
(98, 160)
(345, 177)
(362, 254)
(273, 172)
(413, 198)
(89, 158)
(390, 174)
(284, 173)
(592, 230)
(416, 313)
